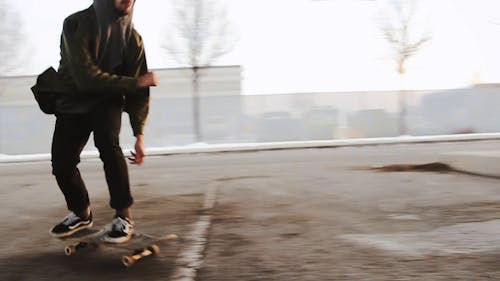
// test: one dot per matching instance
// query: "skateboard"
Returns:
(140, 245)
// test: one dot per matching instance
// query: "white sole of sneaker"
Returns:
(117, 240)
(71, 232)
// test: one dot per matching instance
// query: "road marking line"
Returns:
(191, 258)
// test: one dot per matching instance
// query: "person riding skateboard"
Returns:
(103, 61)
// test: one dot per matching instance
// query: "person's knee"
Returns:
(109, 150)
(63, 171)
(107, 142)
(63, 164)
(111, 154)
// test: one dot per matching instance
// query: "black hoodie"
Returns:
(87, 64)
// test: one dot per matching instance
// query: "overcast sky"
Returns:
(304, 45)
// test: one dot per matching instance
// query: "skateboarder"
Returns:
(103, 61)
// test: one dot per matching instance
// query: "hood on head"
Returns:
(114, 33)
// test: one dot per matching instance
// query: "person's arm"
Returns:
(87, 75)
(137, 105)
(140, 151)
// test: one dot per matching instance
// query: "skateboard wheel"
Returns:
(69, 250)
(154, 249)
(127, 261)
(171, 237)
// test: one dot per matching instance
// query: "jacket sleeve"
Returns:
(137, 104)
(87, 75)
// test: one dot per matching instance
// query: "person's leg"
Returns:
(106, 127)
(70, 136)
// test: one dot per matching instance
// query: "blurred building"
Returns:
(467, 110)
(227, 116)
(25, 129)
(171, 116)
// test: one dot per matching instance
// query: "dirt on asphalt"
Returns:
(29, 253)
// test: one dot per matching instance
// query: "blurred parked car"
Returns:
(277, 126)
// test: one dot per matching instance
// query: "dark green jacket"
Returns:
(92, 86)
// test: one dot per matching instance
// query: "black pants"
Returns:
(71, 134)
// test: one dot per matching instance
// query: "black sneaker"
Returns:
(120, 230)
(70, 225)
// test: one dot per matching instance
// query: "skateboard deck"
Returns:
(139, 246)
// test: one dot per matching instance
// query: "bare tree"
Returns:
(198, 37)
(10, 38)
(396, 29)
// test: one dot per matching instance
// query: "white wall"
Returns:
(229, 117)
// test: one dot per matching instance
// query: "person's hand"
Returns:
(147, 80)
(138, 156)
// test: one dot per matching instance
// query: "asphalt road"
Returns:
(303, 214)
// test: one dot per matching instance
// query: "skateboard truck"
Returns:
(128, 261)
(71, 249)
(147, 245)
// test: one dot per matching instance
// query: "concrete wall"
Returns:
(229, 117)
(25, 129)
